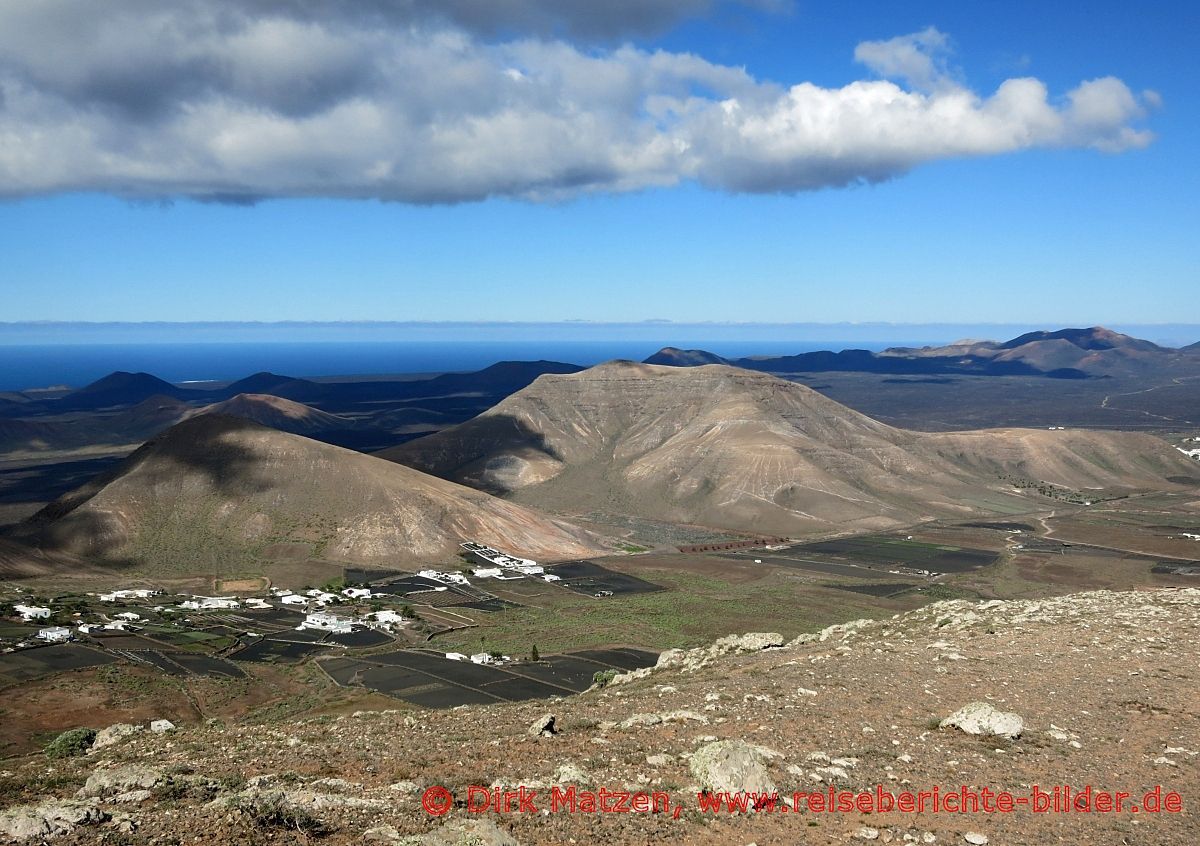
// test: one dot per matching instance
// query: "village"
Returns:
(368, 628)
(333, 608)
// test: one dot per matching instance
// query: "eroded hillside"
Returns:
(730, 448)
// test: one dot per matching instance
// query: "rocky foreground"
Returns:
(1095, 689)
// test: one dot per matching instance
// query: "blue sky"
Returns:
(1054, 232)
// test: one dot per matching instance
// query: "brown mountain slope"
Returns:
(216, 490)
(1101, 683)
(279, 413)
(742, 450)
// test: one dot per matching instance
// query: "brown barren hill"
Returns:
(217, 489)
(279, 413)
(737, 449)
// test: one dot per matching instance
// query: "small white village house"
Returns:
(55, 634)
(32, 612)
(328, 622)
(209, 603)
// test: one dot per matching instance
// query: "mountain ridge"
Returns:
(735, 449)
(215, 490)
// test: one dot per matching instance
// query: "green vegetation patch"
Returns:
(70, 743)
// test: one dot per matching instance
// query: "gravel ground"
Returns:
(1101, 687)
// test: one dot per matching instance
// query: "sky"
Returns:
(549, 160)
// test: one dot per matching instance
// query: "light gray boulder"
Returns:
(26, 822)
(983, 718)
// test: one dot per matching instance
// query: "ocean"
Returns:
(24, 367)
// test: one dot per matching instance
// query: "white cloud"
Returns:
(918, 59)
(434, 102)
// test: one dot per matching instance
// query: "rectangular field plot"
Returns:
(431, 680)
(278, 651)
(46, 660)
(361, 639)
(590, 578)
(206, 665)
(621, 659)
(889, 552)
(407, 585)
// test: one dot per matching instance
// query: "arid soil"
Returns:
(729, 448)
(1095, 690)
(213, 491)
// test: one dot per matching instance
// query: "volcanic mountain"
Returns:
(1063, 354)
(120, 388)
(735, 449)
(217, 490)
(675, 357)
(287, 387)
(279, 413)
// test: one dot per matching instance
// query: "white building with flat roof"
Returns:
(32, 612)
(327, 622)
(131, 593)
(55, 634)
(209, 603)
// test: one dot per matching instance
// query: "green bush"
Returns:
(71, 743)
(603, 677)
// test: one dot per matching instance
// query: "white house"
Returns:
(327, 622)
(293, 599)
(209, 603)
(321, 597)
(257, 604)
(357, 593)
(486, 658)
(487, 572)
(550, 577)
(55, 634)
(384, 619)
(132, 593)
(456, 656)
(128, 615)
(449, 578)
(32, 612)
(1190, 453)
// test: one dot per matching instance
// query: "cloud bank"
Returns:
(442, 101)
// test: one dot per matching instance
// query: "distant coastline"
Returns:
(867, 335)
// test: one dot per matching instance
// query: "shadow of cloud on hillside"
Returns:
(78, 543)
(209, 446)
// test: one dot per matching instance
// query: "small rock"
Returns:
(160, 726)
(568, 774)
(121, 780)
(982, 718)
(26, 822)
(386, 834)
(867, 833)
(131, 796)
(543, 726)
(658, 760)
(467, 832)
(975, 838)
(113, 734)
(732, 766)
